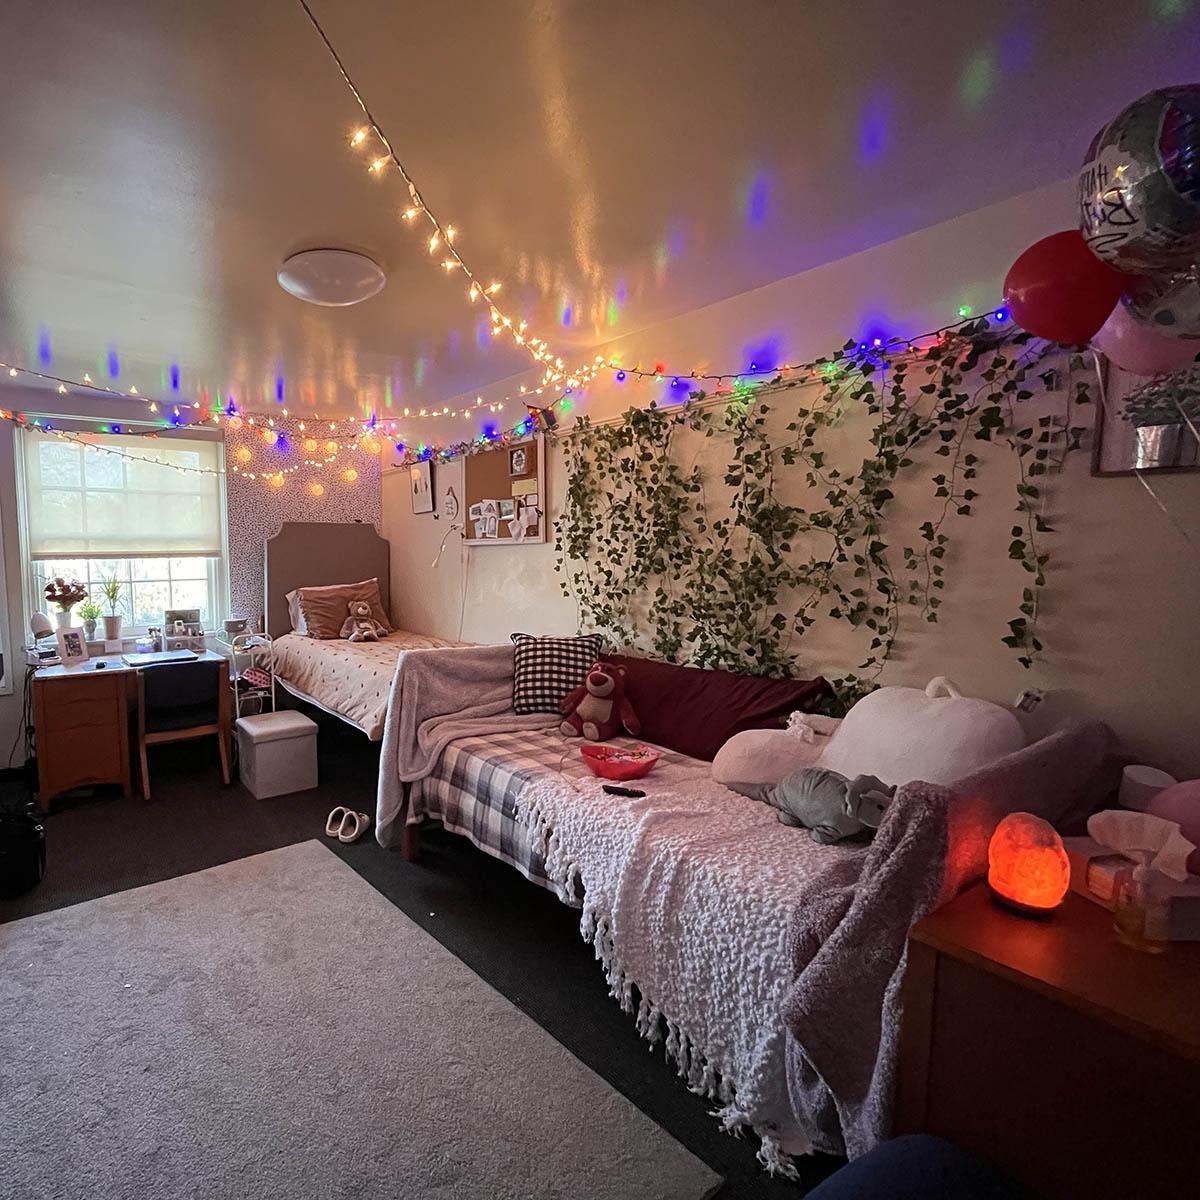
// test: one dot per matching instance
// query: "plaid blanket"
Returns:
(473, 789)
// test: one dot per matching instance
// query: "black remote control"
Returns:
(615, 790)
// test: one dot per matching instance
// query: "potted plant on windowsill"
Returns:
(110, 589)
(90, 612)
(64, 594)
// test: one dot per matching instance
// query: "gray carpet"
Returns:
(275, 1027)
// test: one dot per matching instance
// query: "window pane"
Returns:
(100, 569)
(68, 568)
(148, 568)
(58, 463)
(191, 594)
(189, 568)
(149, 601)
(103, 470)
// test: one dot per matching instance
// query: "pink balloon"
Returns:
(1181, 803)
(1135, 348)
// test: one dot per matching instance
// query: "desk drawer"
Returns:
(93, 699)
(86, 714)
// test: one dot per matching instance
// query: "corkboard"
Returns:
(493, 476)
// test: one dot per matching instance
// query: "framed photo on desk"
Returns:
(72, 647)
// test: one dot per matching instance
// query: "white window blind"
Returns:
(84, 503)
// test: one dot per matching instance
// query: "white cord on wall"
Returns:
(438, 557)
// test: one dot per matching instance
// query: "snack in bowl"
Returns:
(619, 762)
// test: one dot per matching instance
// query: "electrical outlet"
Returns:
(1029, 699)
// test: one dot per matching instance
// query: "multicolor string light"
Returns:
(726, 385)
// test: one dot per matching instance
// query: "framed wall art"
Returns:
(420, 476)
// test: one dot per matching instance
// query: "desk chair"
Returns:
(177, 701)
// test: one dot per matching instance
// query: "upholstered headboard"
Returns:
(315, 554)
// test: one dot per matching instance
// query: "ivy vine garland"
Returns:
(656, 565)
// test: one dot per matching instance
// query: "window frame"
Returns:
(31, 595)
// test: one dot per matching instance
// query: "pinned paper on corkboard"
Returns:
(504, 508)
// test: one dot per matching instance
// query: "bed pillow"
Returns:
(695, 711)
(547, 669)
(319, 612)
(765, 757)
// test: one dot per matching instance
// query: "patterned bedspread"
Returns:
(352, 680)
(474, 787)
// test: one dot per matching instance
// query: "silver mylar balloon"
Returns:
(1168, 304)
(1139, 189)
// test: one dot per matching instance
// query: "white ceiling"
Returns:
(615, 164)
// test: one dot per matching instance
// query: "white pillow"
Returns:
(759, 757)
(938, 735)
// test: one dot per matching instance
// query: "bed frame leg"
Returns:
(410, 843)
(410, 835)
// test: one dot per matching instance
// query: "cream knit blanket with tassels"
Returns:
(687, 898)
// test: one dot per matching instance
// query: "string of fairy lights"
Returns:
(323, 447)
(441, 237)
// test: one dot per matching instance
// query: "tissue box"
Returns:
(1093, 874)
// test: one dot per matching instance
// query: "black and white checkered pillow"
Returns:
(547, 669)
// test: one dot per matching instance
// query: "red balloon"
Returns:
(1059, 290)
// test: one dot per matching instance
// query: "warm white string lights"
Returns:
(441, 238)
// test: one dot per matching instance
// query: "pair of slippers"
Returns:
(347, 825)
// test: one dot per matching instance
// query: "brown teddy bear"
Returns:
(360, 626)
(598, 707)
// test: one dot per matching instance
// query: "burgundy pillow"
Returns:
(695, 711)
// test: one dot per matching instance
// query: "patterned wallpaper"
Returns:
(257, 509)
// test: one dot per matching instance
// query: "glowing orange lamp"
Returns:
(1028, 869)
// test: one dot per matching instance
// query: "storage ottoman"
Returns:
(277, 753)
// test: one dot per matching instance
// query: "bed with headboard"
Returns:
(350, 680)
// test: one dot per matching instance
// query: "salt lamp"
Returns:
(1028, 868)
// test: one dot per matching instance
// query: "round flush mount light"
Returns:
(333, 278)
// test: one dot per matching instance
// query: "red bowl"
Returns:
(617, 762)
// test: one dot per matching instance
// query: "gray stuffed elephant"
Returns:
(831, 806)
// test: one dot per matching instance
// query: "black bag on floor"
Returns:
(22, 853)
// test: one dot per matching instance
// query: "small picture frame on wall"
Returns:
(518, 461)
(1145, 424)
(72, 647)
(420, 476)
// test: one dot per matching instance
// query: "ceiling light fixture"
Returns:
(331, 278)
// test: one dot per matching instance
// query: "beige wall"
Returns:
(1120, 628)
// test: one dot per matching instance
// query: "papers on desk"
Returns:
(154, 657)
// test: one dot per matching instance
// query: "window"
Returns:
(149, 513)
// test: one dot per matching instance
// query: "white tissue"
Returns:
(1136, 833)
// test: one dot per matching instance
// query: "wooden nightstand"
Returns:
(1053, 1050)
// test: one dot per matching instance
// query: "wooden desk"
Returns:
(1055, 1051)
(81, 719)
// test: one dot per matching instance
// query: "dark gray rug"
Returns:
(275, 1027)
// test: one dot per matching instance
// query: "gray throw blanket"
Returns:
(848, 938)
(437, 696)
